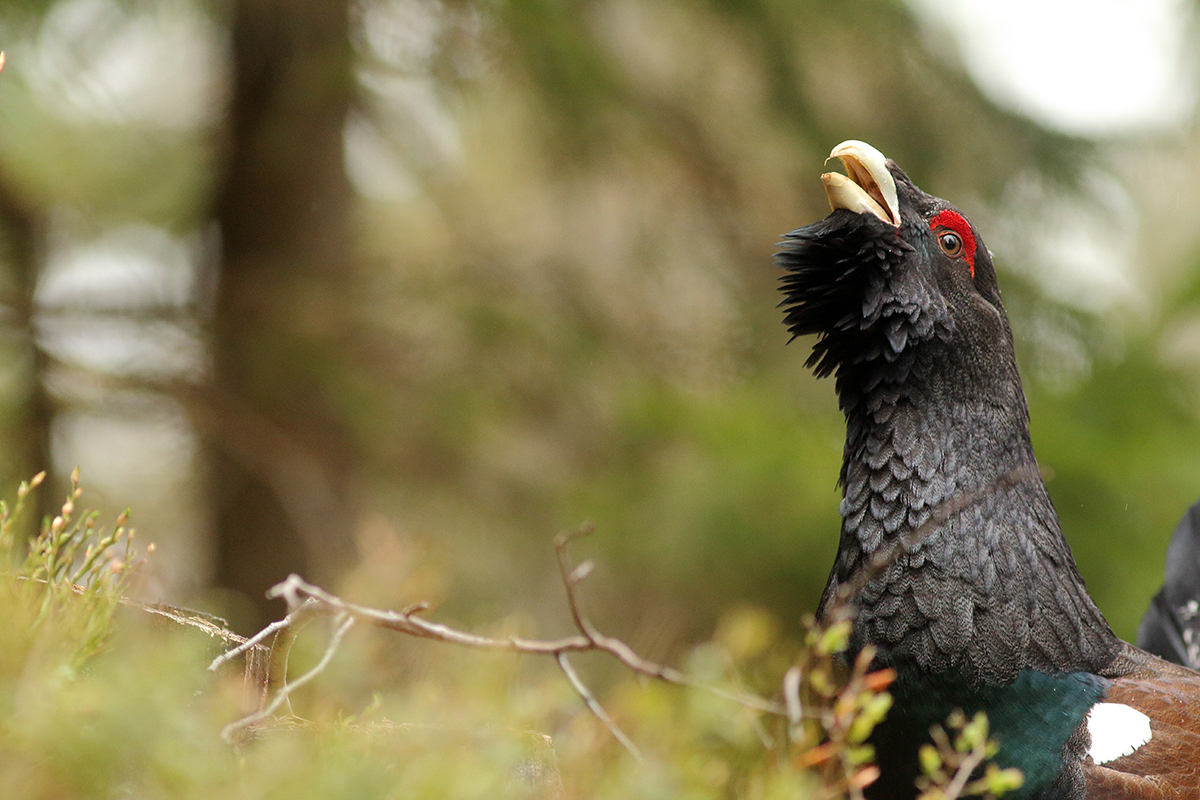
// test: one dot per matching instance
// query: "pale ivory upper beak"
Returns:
(867, 187)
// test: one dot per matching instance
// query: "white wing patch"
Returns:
(1116, 730)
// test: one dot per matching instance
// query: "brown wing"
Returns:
(1168, 766)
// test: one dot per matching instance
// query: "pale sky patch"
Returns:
(1088, 67)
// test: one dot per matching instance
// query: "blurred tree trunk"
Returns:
(29, 410)
(282, 457)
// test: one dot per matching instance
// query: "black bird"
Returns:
(1171, 626)
(951, 556)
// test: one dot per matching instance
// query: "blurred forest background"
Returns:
(387, 292)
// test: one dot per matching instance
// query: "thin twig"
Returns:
(571, 578)
(344, 623)
(304, 598)
(791, 698)
(961, 777)
(593, 704)
(288, 621)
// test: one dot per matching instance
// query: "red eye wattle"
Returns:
(955, 238)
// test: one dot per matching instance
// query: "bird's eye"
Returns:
(951, 243)
(955, 236)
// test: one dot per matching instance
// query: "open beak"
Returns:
(867, 187)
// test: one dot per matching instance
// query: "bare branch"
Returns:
(594, 705)
(305, 599)
(278, 625)
(345, 622)
(791, 698)
(571, 578)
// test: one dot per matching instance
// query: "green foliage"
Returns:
(96, 704)
(71, 576)
(959, 767)
(833, 715)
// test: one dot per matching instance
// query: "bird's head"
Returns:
(890, 267)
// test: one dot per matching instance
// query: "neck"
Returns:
(950, 548)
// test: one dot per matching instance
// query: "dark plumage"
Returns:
(950, 552)
(1171, 626)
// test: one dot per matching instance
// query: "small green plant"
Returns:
(951, 768)
(833, 711)
(833, 714)
(73, 573)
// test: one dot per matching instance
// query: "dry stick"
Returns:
(305, 598)
(791, 698)
(306, 608)
(593, 704)
(963, 775)
(345, 622)
(624, 653)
